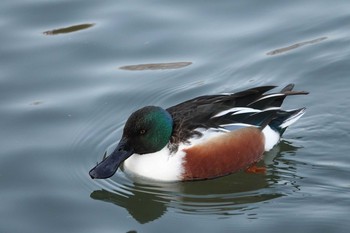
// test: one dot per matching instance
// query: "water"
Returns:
(65, 94)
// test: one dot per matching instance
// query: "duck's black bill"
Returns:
(110, 164)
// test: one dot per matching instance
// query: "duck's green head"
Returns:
(147, 130)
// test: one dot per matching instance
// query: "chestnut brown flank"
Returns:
(224, 154)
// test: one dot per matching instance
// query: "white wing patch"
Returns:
(236, 110)
(292, 119)
(241, 110)
(268, 96)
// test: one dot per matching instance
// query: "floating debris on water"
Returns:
(37, 102)
(294, 46)
(156, 66)
(69, 29)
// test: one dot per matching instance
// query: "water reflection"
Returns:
(230, 195)
(141, 205)
(69, 29)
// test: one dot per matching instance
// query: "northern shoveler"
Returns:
(202, 138)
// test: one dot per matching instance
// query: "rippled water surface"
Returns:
(73, 71)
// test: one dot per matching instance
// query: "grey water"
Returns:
(71, 72)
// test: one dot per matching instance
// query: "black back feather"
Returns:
(199, 112)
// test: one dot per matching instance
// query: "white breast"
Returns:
(161, 166)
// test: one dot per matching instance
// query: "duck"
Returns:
(206, 137)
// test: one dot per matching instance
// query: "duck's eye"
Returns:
(142, 131)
